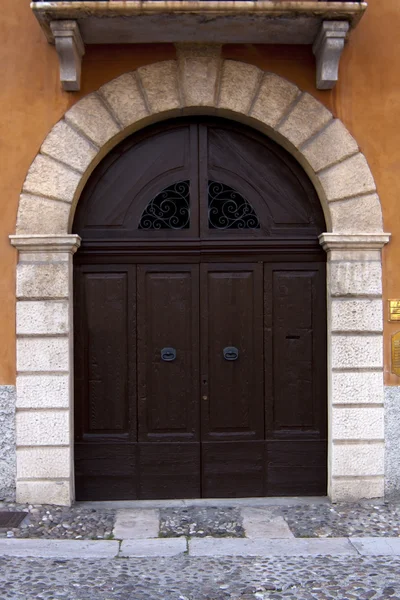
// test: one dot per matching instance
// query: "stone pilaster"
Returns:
(355, 380)
(44, 427)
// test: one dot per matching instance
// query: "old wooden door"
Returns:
(200, 320)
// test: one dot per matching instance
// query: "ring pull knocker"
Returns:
(168, 354)
(231, 353)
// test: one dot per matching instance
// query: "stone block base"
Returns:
(392, 443)
(7, 442)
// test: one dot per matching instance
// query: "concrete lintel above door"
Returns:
(322, 24)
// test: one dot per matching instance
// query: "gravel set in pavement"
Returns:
(59, 522)
(201, 522)
(192, 578)
(308, 520)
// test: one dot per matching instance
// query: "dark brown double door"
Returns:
(201, 380)
(200, 319)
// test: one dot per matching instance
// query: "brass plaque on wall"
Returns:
(396, 354)
(394, 310)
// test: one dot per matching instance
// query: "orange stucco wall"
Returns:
(366, 99)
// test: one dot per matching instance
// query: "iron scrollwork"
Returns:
(228, 209)
(169, 209)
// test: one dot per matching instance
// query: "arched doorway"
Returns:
(200, 319)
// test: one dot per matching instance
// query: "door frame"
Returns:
(354, 241)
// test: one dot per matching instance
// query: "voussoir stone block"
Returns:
(355, 278)
(239, 84)
(357, 387)
(306, 117)
(199, 69)
(42, 317)
(333, 144)
(43, 354)
(92, 118)
(42, 428)
(357, 351)
(351, 490)
(357, 315)
(41, 215)
(47, 177)
(358, 423)
(45, 492)
(351, 177)
(49, 280)
(358, 459)
(125, 99)
(68, 146)
(356, 215)
(273, 100)
(160, 85)
(43, 463)
(43, 391)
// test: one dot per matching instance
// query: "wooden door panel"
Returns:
(296, 468)
(168, 318)
(295, 341)
(105, 347)
(231, 315)
(233, 469)
(107, 351)
(169, 470)
(106, 471)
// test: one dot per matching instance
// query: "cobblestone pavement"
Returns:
(190, 578)
(60, 522)
(201, 522)
(305, 520)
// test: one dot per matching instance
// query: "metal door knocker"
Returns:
(168, 354)
(231, 353)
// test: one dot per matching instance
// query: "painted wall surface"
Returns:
(366, 99)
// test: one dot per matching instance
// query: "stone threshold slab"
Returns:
(155, 547)
(211, 547)
(38, 548)
(376, 546)
(204, 502)
(270, 547)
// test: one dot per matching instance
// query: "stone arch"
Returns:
(199, 82)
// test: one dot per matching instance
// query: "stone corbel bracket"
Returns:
(328, 48)
(70, 49)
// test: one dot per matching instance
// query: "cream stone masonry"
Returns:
(358, 387)
(42, 317)
(356, 412)
(199, 64)
(355, 459)
(357, 315)
(199, 82)
(125, 99)
(44, 366)
(43, 390)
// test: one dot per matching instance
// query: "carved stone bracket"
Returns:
(328, 47)
(70, 49)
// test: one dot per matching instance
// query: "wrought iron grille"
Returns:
(170, 209)
(227, 209)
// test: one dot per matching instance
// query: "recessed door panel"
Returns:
(233, 469)
(168, 352)
(232, 351)
(295, 341)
